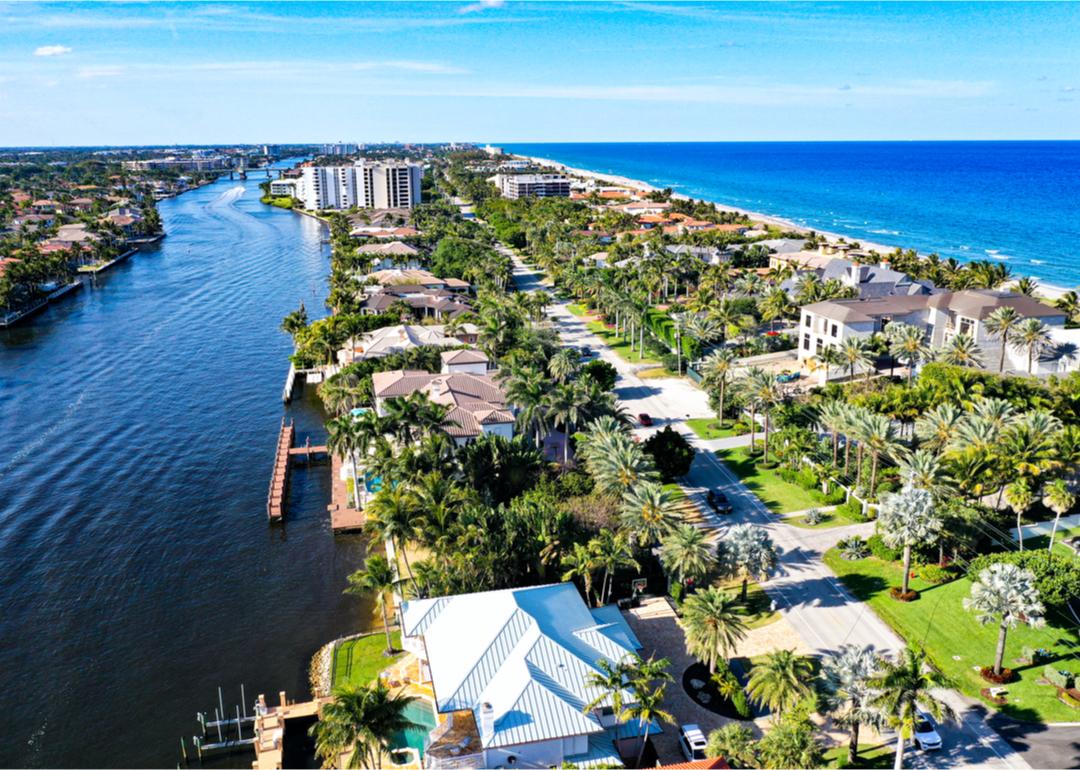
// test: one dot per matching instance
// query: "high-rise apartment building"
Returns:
(366, 184)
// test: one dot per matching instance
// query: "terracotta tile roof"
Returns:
(699, 764)
(474, 400)
(464, 356)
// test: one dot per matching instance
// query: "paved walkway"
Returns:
(811, 598)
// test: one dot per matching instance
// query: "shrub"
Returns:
(807, 479)
(787, 475)
(814, 517)
(932, 573)
(851, 510)
(1057, 576)
(1068, 699)
(1062, 679)
(740, 427)
(853, 548)
(677, 592)
(670, 452)
(882, 551)
(1006, 675)
(602, 373)
(834, 496)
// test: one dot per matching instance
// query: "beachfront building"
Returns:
(365, 184)
(476, 402)
(515, 186)
(510, 669)
(423, 303)
(942, 316)
(339, 148)
(396, 276)
(868, 280)
(283, 188)
(392, 254)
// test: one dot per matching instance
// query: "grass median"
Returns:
(779, 496)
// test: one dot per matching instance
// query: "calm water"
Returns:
(1018, 202)
(137, 431)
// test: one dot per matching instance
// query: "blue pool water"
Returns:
(1017, 202)
(422, 715)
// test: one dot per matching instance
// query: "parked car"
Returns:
(644, 419)
(586, 352)
(926, 734)
(692, 742)
(788, 377)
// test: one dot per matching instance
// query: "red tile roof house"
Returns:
(82, 204)
(477, 403)
(5, 263)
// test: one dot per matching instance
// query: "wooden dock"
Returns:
(343, 518)
(279, 480)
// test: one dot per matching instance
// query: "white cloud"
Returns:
(482, 5)
(51, 50)
(104, 71)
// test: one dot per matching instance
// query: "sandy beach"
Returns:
(1046, 290)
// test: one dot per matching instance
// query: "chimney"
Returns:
(281, 694)
(487, 722)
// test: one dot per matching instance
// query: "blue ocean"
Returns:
(1017, 202)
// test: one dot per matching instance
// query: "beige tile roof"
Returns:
(474, 399)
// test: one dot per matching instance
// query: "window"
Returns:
(834, 331)
(966, 326)
(808, 321)
(806, 341)
(817, 348)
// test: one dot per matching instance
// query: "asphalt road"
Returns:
(820, 609)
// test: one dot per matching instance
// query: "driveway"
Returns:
(807, 592)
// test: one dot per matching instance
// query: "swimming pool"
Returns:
(421, 713)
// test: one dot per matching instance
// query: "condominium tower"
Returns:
(366, 184)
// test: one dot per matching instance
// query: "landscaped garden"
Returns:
(360, 660)
(709, 428)
(957, 644)
(616, 342)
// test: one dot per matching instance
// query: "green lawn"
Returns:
(828, 521)
(1042, 541)
(359, 661)
(675, 492)
(870, 756)
(938, 621)
(778, 495)
(609, 338)
(709, 428)
(758, 608)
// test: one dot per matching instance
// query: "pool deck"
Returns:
(342, 517)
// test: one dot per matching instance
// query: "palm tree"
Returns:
(678, 326)
(1058, 498)
(648, 513)
(687, 553)
(1033, 336)
(1069, 303)
(611, 551)
(1026, 286)
(377, 578)
(1005, 593)
(906, 519)
(391, 515)
(717, 370)
(833, 416)
(902, 688)
(855, 352)
(610, 682)
(780, 680)
(564, 364)
(999, 325)
(345, 437)
(747, 551)
(962, 350)
(763, 391)
(565, 408)
(527, 389)
(580, 562)
(713, 623)
(907, 344)
(360, 720)
(1019, 497)
(646, 709)
(937, 427)
(878, 435)
(848, 697)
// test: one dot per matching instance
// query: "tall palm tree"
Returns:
(687, 553)
(1058, 498)
(564, 364)
(848, 696)
(999, 325)
(780, 680)
(713, 623)
(717, 370)
(1032, 336)
(361, 721)
(855, 352)
(527, 389)
(678, 327)
(391, 515)
(833, 416)
(345, 437)
(936, 428)
(763, 390)
(747, 551)
(581, 562)
(612, 551)
(565, 407)
(879, 437)
(377, 579)
(1020, 496)
(646, 708)
(907, 344)
(647, 512)
(904, 686)
(610, 682)
(906, 519)
(1005, 593)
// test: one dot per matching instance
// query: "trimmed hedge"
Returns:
(1057, 576)
(932, 573)
(1062, 679)
(852, 511)
(882, 551)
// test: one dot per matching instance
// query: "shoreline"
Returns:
(1046, 290)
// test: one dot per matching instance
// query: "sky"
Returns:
(485, 70)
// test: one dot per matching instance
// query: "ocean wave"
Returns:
(963, 247)
(1038, 261)
(999, 256)
(991, 251)
(885, 232)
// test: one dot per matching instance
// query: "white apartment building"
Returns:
(366, 184)
(533, 185)
(339, 148)
(283, 188)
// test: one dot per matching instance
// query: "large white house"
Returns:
(510, 669)
(942, 316)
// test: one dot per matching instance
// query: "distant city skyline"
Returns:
(207, 73)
